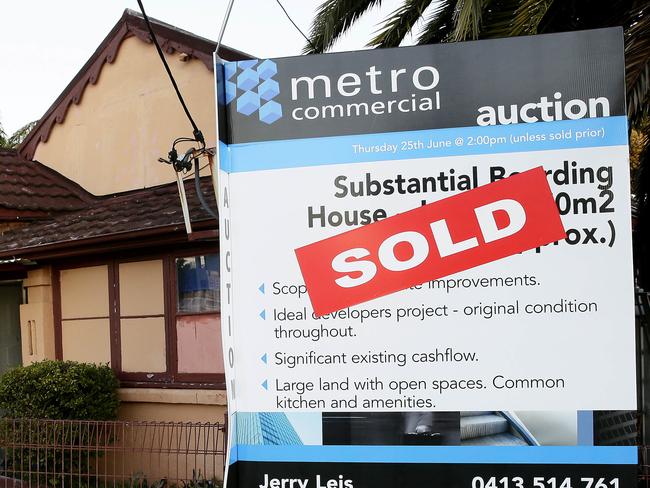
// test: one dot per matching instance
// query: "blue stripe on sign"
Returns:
(295, 153)
(233, 458)
(441, 454)
(224, 157)
(586, 428)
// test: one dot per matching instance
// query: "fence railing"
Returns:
(71, 453)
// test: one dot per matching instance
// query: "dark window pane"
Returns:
(197, 281)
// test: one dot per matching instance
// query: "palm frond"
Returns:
(333, 19)
(528, 17)
(637, 64)
(498, 19)
(440, 24)
(399, 23)
(641, 189)
(468, 17)
(638, 97)
(467, 20)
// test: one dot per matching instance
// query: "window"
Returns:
(197, 284)
(198, 324)
(157, 321)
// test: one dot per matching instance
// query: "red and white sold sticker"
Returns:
(429, 242)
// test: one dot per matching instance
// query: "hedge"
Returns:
(62, 390)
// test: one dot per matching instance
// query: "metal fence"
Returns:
(72, 453)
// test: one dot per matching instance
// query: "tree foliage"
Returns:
(16, 139)
(461, 20)
(3, 138)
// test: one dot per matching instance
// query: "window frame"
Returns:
(171, 291)
(171, 378)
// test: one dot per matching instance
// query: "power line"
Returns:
(197, 133)
(185, 162)
(295, 25)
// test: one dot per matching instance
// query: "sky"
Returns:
(44, 43)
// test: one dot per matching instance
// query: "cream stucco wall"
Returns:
(37, 317)
(171, 405)
(112, 140)
(146, 404)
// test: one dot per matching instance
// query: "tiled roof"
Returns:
(112, 217)
(30, 189)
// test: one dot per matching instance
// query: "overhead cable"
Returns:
(295, 25)
(198, 135)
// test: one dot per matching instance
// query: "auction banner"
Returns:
(426, 265)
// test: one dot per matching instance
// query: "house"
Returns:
(95, 262)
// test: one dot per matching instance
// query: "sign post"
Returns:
(427, 266)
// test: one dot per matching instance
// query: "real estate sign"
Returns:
(426, 265)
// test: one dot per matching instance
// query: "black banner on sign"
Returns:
(452, 85)
(375, 475)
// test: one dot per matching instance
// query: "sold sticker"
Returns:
(454, 234)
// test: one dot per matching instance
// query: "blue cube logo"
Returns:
(250, 83)
(229, 70)
(231, 91)
(270, 112)
(269, 89)
(248, 79)
(247, 63)
(267, 69)
(248, 103)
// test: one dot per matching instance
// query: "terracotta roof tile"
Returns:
(30, 188)
(113, 215)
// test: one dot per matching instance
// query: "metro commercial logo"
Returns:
(250, 83)
(400, 91)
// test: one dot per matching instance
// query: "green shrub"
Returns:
(55, 390)
(62, 390)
